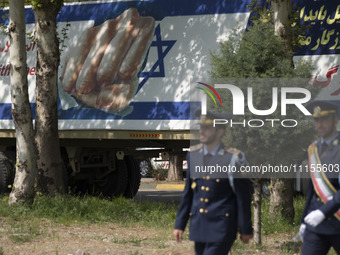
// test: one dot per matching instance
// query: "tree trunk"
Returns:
(282, 10)
(175, 172)
(51, 175)
(257, 210)
(281, 198)
(281, 192)
(26, 167)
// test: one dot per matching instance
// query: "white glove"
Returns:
(314, 218)
(299, 235)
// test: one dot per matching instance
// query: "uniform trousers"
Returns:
(317, 244)
(213, 248)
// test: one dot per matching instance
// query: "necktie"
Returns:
(323, 148)
(207, 159)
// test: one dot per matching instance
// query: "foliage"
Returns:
(62, 37)
(271, 225)
(159, 174)
(260, 11)
(258, 53)
(42, 3)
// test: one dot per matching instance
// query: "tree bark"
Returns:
(282, 9)
(281, 192)
(51, 172)
(26, 167)
(257, 210)
(281, 198)
(175, 172)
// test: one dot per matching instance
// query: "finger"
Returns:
(117, 48)
(76, 57)
(176, 235)
(180, 233)
(137, 52)
(116, 97)
(87, 76)
(88, 99)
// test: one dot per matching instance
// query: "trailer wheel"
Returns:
(6, 173)
(119, 179)
(134, 177)
(114, 184)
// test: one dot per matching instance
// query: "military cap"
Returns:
(208, 118)
(321, 108)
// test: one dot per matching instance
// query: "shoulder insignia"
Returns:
(335, 142)
(220, 152)
(233, 151)
(195, 147)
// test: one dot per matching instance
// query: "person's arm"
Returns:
(242, 190)
(332, 205)
(310, 192)
(184, 208)
(243, 195)
(315, 217)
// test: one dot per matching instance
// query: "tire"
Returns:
(67, 171)
(119, 178)
(81, 187)
(6, 173)
(134, 177)
(112, 185)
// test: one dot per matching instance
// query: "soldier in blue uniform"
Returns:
(216, 207)
(320, 228)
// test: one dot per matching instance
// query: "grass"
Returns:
(27, 222)
(135, 241)
(68, 209)
(272, 225)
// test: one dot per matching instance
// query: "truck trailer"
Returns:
(124, 80)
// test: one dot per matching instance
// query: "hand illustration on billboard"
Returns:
(101, 70)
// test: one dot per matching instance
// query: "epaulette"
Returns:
(335, 142)
(195, 147)
(233, 151)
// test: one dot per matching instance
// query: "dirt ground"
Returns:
(76, 239)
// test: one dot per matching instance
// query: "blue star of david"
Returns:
(159, 44)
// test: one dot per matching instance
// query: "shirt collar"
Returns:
(330, 140)
(212, 152)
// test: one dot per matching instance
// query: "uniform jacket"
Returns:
(215, 209)
(330, 225)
